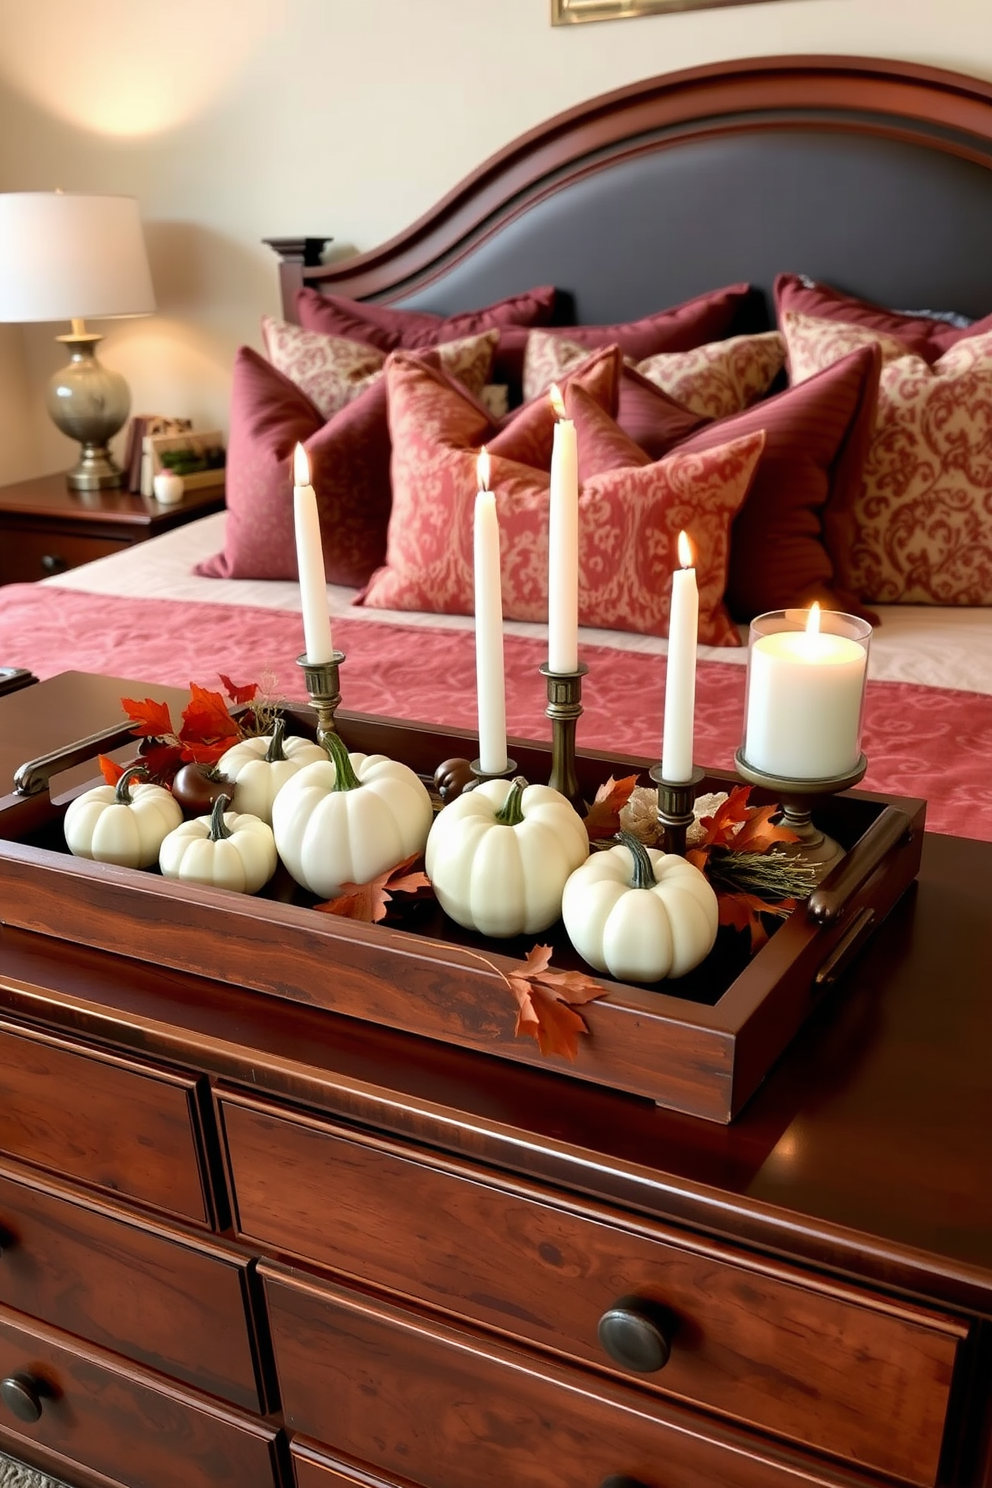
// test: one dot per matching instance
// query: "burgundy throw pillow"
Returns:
(928, 336)
(707, 317)
(349, 461)
(792, 536)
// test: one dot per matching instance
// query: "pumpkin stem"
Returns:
(344, 771)
(275, 752)
(218, 826)
(642, 873)
(122, 793)
(510, 814)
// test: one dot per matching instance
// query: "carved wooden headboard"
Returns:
(874, 176)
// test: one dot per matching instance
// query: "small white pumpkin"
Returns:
(348, 817)
(499, 855)
(224, 850)
(640, 914)
(122, 823)
(259, 767)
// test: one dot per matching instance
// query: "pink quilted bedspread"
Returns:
(920, 741)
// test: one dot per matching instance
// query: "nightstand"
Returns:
(45, 528)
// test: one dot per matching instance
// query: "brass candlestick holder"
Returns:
(564, 709)
(481, 774)
(324, 689)
(675, 803)
(797, 798)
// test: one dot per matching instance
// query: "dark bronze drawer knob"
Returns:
(637, 1334)
(54, 563)
(21, 1394)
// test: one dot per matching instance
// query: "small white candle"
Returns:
(317, 644)
(804, 703)
(490, 689)
(563, 545)
(680, 683)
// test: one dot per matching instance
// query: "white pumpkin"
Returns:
(122, 823)
(499, 855)
(349, 817)
(258, 768)
(225, 850)
(640, 914)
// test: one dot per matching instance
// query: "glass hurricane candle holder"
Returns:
(803, 714)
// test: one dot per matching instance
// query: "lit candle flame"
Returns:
(482, 469)
(557, 401)
(686, 557)
(813, 619)
(301, 467)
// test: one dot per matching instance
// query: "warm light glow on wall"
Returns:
(123, 69)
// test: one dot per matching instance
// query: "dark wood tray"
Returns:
(700, 1045)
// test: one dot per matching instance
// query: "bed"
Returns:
(851, 178)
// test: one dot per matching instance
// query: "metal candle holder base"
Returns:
(324, 689)
(797, 797)
(481, 774)
(564, 709)
(675, 803)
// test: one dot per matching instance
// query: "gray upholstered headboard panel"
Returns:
(873, 176)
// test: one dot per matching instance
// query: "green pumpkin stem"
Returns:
(510, 814)
(218, 826)
(642, 873)
(122, 791)
(344, 771)
(275, 752)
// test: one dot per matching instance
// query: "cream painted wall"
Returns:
(231, 120)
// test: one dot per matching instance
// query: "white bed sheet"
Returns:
(914, 643)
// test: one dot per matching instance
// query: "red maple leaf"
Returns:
(603, 818)
(546, 1002)
(239, 694)
(151, 719)
(368, 901)
(109, 769)
(161, 759)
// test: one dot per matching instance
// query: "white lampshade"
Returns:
(68, 257)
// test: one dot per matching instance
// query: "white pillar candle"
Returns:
(680, 683)
(490, 689)
(563, 545)
(317, 644)
(805, 689)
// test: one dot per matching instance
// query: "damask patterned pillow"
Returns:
(629, 517)
(929, 333)
(332, 370)
(923, 508)
(714, 380)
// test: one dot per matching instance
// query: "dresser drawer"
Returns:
(313, 1468)
(755, 1343)
(442, 1407)
(125, 1126)
(158, 1296)
(36, 553)
(122, 1421)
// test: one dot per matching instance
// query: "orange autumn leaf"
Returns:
(239, 694)
(206, 718)
(151, 719)
(368, 901)
(744, 911)
(109, 769)
(546, 1002)
(759, 833)
(721, 828)
(741, 827)
(603, 818)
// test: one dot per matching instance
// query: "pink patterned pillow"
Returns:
(923, 510)
(714, 380)
(630, 518)
(333, 370)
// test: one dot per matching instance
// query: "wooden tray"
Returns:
(700, 1045)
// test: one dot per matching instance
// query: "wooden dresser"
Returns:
(249, 1243)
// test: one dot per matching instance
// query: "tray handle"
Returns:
(829, 900)
(31, 778)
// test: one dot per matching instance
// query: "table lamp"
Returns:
(69, 257)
